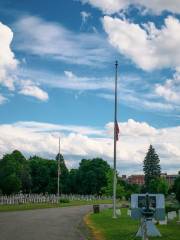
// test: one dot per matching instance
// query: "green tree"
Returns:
(43, 174)
(108, 190)
(151, 166)
(14, 167)
(64, 174)
(177, 188)
(73, 183)
(92, 175)
(158, 185)
(11, 184)
(130, 189)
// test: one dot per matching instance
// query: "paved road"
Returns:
(44, 224)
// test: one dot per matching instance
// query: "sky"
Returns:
(57, 69)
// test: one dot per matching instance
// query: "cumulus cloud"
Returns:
(133, 128)
(80, 141)
(142, 44)
(9, 71)
(170, 90)
(148, 47)
(8, 62)
(29, 88)
(50, 39)
(115, 6)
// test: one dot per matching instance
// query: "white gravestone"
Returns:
(118, 212)
(172, 215)
(164, 222)
(129, 212)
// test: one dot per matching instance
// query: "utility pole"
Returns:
(116, 131)
(59, 157)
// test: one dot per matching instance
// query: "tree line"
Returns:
(93, 176)
(39, 175)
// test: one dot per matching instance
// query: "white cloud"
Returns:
(148, 47)
(85, 16)
(137, 100)
(133, 90)
(170, 90)
(81, 141)
(29, 88)
(114, 6)
(2, 99)
(108, 6)
(133, 128)
(48, 127)
(158, 6)
(69, 80)
(69, 74)
(9, 71)
(8, 62)
(52, 40)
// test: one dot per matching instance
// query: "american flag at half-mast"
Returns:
(116, 130)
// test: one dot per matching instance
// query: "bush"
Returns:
(64, 200)
(170, 208)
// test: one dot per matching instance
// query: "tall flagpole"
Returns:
(115, 139)
(58, 169)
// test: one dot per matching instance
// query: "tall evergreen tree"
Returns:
(151, 167)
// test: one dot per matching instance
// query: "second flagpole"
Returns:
(59, 157)
(115, 139)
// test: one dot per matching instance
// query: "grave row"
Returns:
(22, 199)
(170, 216)
(84, 197)
(46, 198)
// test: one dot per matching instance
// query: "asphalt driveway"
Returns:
(45, 224)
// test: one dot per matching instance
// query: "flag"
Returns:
(116, 130)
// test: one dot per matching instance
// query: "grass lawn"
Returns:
(124, 228)
(31, 206)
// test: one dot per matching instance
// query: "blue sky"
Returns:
(57, 73)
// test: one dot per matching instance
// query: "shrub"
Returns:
(170, 208)
(64, 200)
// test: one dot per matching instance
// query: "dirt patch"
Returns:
(97, 234)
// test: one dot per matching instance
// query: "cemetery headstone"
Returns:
(118, 212)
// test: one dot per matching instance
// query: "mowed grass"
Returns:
(31, 206)
(124, 228)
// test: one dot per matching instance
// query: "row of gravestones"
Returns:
(40, 198)
(170, 216)
(23, 200)
(83, 197)
(21, 195)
